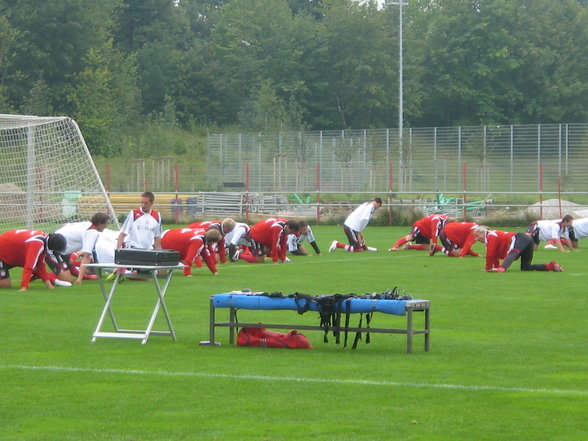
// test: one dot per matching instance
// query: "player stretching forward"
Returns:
(578, 230)
(510, 247)
(458, 238)
(272, 234)
(81, 238)
(295, 241)
(355, 224)
(554, 231)
(224, 227)
(190, 243)
(238, 243)
(27, 248)
(425, 231)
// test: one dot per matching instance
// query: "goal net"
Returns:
(47, 176)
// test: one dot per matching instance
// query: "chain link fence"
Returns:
(486, 159)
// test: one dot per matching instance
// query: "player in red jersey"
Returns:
(508, 247)
(28, 248)
(191, 243)
(425, 231)
(224, 227)
(458, 238)
(272, 234)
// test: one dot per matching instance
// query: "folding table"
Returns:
(160, 289)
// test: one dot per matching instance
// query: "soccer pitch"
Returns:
(507, 362)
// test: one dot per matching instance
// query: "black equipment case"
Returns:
(136, 256)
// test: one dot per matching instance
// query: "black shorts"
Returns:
(418, 238)
(57, 262)
(572, 234)
(4, 267)
(256, 248)
(533, 231)
(353, 237)
(421, 240)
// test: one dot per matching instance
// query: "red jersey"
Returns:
(189, 243)
(220, 245)
(430, 226)
(270, 233)
(498, 244)
(25, 248)
(462, 234)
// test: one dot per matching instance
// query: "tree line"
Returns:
(126, 69)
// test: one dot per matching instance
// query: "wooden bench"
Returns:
(236, 301)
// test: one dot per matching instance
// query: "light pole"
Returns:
(400, 89)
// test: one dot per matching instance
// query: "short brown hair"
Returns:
(149, 195)
(99, 219)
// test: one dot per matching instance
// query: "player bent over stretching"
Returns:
(425, 231)
(355, 224)
(510, 247)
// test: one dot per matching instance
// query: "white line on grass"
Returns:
(310, 260)
(464, 387)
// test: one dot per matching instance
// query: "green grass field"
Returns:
(508, 357)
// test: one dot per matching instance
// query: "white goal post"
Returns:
(47, 176)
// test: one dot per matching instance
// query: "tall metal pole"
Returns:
(400, 90)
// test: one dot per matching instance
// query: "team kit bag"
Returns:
(261, 337)
(136, 256)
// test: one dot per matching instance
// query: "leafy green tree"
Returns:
(203, 14)
(105, 99)
(552, 46)
(255, 41)
(158, 32)
(147, 21)
(356, 66)
(39, 100)
(8, 36)
(496, 61)
(55, 38)
(5, 106)
(200, 90)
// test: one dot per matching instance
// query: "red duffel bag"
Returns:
(261, 337)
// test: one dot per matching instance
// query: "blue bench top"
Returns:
(262, 302)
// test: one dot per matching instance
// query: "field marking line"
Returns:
(464, 387)
(313, 260)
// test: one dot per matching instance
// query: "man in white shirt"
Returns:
(142, 228)
(238, 242)
(81, 238)
(578, 230)
(554, 231)
(354, 226)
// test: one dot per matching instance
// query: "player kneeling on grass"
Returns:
(354, 225)
(191, 243)
(425, 234)
(508, 247)
(295, 241)
(457, 239)
(81, 242)
(272, 234)
(27, 249)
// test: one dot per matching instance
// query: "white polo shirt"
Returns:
(141, 228)
(360, 217)
(79, 236)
